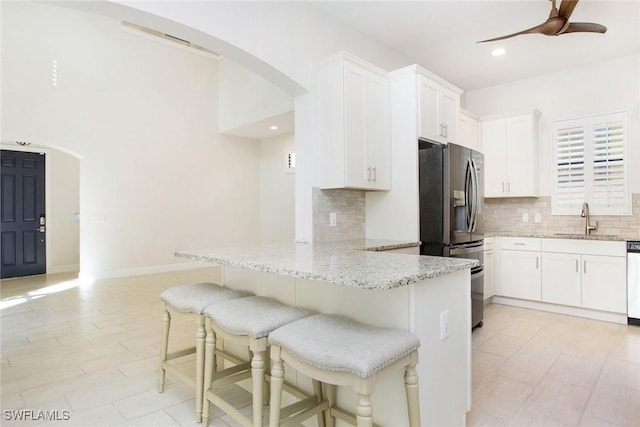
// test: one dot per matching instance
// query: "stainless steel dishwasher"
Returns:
(633, 283)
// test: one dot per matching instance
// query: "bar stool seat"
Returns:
(248, 322)
(191, 299)
(337, 350)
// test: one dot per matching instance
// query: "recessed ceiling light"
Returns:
(273, 127)
(498, 52)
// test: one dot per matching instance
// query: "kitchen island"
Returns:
(381, 288)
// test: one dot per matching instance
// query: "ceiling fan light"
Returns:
(498, 52)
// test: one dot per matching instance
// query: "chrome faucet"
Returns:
(585, 214)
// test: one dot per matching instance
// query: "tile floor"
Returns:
(91, 349)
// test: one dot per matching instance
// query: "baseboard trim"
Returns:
(563, 309)
(144, 270)
(71, 268)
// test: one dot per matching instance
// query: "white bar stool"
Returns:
(246, 322)
(192, 298)
(339, 351)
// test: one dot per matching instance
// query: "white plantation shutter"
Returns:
(591, 165)
(570, 166)
(609, 177)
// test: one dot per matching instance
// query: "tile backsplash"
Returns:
(349, 207)
(505, 215)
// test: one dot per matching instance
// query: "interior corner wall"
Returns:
(277, 190)
(155, 174)
(63, 226)
(602, 88)
(245, 97)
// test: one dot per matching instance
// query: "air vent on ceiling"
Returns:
(168, 39)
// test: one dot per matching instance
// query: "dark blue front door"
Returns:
(22, 214)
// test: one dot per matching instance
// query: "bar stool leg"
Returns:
(257, 379)
(330, 391)
(317, 390)
(277, 380)
(411, 387)
(164, 344)
(209, 356)
(364, 411)
(200, 337)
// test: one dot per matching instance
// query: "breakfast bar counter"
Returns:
(368, 281)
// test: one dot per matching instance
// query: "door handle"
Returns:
(369, 174)
(375, 174)
(577, 266)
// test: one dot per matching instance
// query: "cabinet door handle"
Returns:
(369, 174)
(519, 244)
(577, 266)
(502, 187)
(375, 174)
(584, 266)
(537, 262)
(444, 126)
(508, 187)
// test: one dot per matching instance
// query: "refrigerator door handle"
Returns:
(476, 194)
(473, 195)
(468, 184)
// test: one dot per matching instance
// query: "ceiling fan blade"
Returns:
(549, 27)
(566, 8)
(585, 27)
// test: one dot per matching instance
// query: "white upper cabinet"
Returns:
(468, 130)
(353, 124)
(510, 146)
(438, 111)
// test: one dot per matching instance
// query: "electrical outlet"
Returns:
(332, 219)
(444, 324)
(525, 217)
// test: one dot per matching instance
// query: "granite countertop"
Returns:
(358, 263)
(559, 236)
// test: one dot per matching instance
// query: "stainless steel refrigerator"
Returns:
(451, 210)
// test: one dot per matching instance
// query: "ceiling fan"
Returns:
(558, 23)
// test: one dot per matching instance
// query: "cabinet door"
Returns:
(493, 136)
(488, 274)
(468, 132)
(522, 156)
(428, 110)
(520, 274)
(377, 134)
(355, 87)
(561, 278)
(604, 285)
(449, 104)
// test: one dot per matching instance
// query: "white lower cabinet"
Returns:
(489, 288)
(604, 285)
(561, 281)
(585, 274)
(520, 274)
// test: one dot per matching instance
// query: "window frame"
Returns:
(589, 181)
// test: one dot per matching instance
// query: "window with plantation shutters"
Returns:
(591, 164)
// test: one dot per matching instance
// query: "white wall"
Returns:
(277, 189)
(245, 97)
(154, 174)
(64, 229)
(280, 41)
(606, 87)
